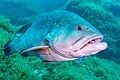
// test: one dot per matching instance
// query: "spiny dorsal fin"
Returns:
(22, 30)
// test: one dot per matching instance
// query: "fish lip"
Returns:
(100, 37)
(93, 37)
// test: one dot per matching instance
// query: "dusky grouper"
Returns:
(57, 36)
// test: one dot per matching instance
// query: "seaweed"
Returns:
(92, 69)
(6, 25)
(7, 30)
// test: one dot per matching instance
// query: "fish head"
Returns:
(78, 40)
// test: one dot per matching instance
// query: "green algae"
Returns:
(7, 30)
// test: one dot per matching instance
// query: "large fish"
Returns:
(57, 36)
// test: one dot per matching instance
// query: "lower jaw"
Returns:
(96, 47)
(95, 52)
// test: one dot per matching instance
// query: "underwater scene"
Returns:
(59, 39)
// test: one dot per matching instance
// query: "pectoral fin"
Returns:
(38, 49)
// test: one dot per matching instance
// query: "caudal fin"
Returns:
(11, 46)
(7, 49)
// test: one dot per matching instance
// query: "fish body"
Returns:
(57, 36)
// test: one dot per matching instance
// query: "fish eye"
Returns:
(79, 28)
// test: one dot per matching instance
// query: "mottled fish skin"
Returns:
(57, 30)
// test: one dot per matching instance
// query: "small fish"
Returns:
(57, 36)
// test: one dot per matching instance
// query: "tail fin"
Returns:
(11, 46)
(8, 48)
(7, 51)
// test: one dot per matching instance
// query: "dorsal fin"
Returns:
(22, 30)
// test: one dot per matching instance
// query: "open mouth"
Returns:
(92, 41)
(89, 42)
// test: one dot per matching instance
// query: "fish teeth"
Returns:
(97, 40)
(92, 42)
